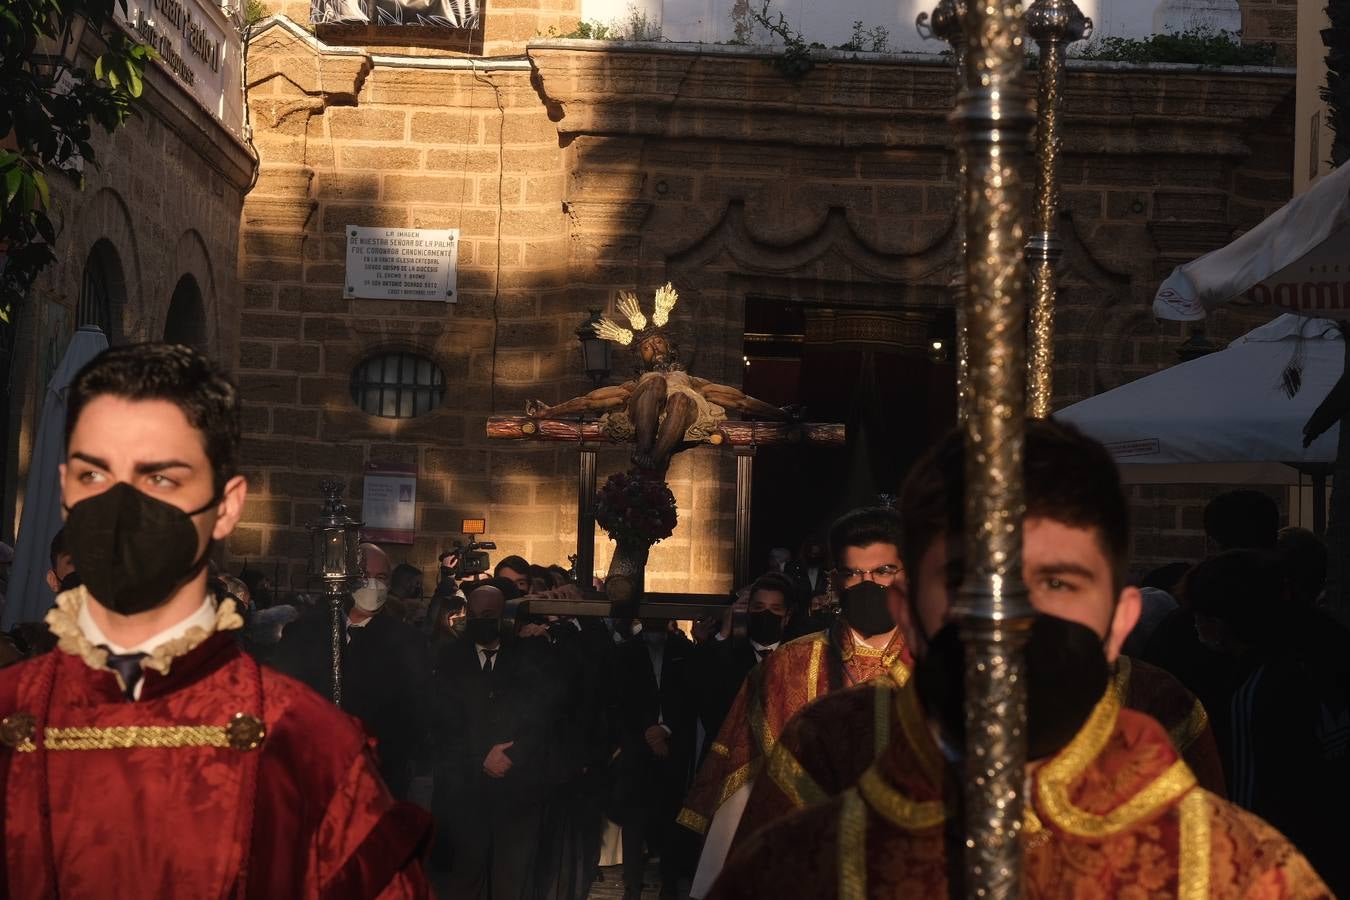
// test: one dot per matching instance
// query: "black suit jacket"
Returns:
(720, 668)
(640, 779)
(584, 655)
(519, 701)
(385, 677)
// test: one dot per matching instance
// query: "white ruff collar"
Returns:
(63, 621)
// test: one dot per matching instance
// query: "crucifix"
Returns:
(663, 410)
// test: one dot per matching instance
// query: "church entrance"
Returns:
(888, 373)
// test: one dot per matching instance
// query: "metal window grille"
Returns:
(95, 306)
(398, 385)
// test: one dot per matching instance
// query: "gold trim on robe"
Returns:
(1185, 734)
(1058, 775)
(1196, 844)
(243, 733)
(853, 848)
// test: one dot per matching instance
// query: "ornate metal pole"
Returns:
(1053, 24)
(335, 559)
(995, 618)
(945, 24)
(585, 562)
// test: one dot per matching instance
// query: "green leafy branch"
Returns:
(795, 60)
(49, 106)
(1203, 47)
(876, 39)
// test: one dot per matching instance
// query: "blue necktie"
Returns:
(127, 665)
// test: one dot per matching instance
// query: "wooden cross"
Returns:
(743, 437)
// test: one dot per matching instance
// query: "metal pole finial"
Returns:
(333, 505)
(1059, 20)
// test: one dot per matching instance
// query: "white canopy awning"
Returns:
(1297, 260)
(1226, 416)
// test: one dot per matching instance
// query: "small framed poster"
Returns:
(389, 502)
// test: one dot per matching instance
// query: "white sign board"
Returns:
(402, 263)
(199, 44)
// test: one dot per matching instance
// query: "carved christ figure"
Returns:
(664, 406)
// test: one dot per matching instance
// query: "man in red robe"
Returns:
(809, 764)
(862, 644)
(148, 756)
(1112, 810)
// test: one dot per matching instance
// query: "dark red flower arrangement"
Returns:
(636, 510)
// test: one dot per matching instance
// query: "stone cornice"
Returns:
(717, 92)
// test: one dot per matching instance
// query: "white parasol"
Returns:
(1228, 417)
(1298, 260)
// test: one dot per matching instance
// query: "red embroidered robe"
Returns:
(1116, 814)
(790, 678)
(96, 805)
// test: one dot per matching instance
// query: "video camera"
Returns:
(471, 558)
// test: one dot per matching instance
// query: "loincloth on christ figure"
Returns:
(618, 425)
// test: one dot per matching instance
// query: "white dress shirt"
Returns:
(762, 650)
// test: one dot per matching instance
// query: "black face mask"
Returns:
(70, 582)
(864, 606)
(1066, 677)
(764, 627)
(133, 550)
(483, 631)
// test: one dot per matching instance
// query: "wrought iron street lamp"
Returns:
(335, 560)
(1054, 25)
(595, 350)
(595, 358)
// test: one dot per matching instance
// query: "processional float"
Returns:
(662, 410)
(999, 384)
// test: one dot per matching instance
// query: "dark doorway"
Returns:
(885, 372)
(186, 321)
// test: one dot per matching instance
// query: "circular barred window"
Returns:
(398, 385)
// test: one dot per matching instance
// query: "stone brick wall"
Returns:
(1272, 21)
(1168, 521)
(598, 169)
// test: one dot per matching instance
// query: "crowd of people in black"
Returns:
(526, 742)
(551, 744)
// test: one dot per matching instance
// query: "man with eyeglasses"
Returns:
(862, 643)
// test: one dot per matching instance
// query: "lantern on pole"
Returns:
(595, 350)
(994, 122)
(335, 560)
(1054, 25)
